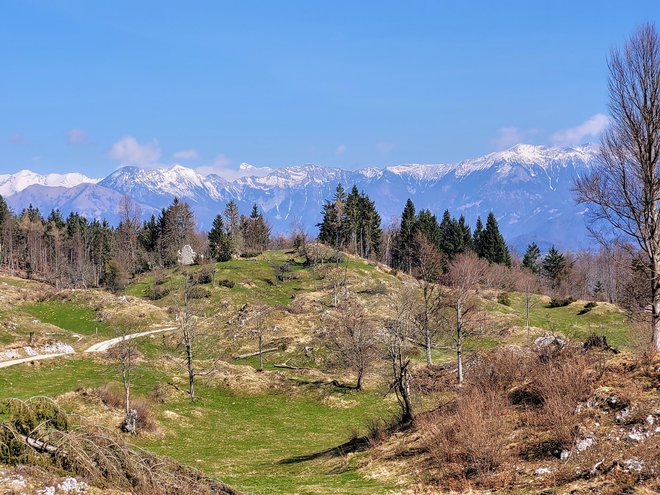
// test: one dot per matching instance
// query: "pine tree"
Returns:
(491, 243)
(351, 224)
(370, 225)
(451, 236)
(219, 243)
(477, 237)
(554, 264)
(427, 224)
(330, 229)
(531, 258)
(255, 232)
(233, 225)
(405, 237)
(467, 242)
(178, 229)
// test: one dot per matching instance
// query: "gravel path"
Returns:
(99, 347)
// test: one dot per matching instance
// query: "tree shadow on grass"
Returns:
(358, 444)
(355, 444)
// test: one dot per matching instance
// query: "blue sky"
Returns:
(88, 86)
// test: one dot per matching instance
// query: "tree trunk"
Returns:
(459, 346)
(655, 304)
(527, 303)
(404, 390)
(261, 354)
(191, 372)
(358, 385)
(127, 397)
(429, 345)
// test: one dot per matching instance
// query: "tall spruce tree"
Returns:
(531, 258)
(451, 236)
(178, 229)
(352, 223)
(477, 236)
(255, 231)
(467, 243)
(491, 245)
(554, 264)
(427, 224)
(331, 227)
(219, 242)
(233, 225)
(405, 237)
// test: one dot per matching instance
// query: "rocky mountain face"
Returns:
(527, 187)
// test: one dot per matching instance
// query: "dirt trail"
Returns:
(98, 347)
(107, 344)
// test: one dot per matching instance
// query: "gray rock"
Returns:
(633, 464)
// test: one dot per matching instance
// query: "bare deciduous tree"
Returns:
(397, 334)
(459, 300)
(527, 283)
(257, 318)
(188, 333)
(352, 338)
(126, 353)
(625, 187)
(428, 271)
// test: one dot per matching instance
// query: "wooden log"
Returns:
(252, 354)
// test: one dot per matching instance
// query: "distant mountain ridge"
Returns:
(527, 187)
(13, 183)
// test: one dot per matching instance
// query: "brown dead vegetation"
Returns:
(525, 419)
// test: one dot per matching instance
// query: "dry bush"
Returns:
(110, 396)
(500, 369)
(562, 382)
(469, 440)
(641, 339)
(100, 457)
(113, 397)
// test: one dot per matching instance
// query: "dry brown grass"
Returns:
(562, 383)
(37, 432)
(113, 397)
(509, 393)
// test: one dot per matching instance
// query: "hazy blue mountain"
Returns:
(527, 187)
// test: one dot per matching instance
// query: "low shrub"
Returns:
(205, 275)
(504, 298)
(470, 441)
(158, 292)
(587, 307)
(563, 382)
(226, 283)
(197, 292)
(560, 302)
(114, 398)
(378, 288)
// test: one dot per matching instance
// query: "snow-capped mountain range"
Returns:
(13, 183)
(527, 187)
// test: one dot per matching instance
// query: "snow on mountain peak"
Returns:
(13, 183)
(421, 171)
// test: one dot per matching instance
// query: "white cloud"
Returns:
(510, 136)
(190, 154)
(128, 151)
(221, 161)
(384, 147)
(17, 138)
(341, 149)
(592, 128)
(220, 166)
(507, 137)
(76, 136)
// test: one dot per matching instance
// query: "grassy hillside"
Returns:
(251, 429)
